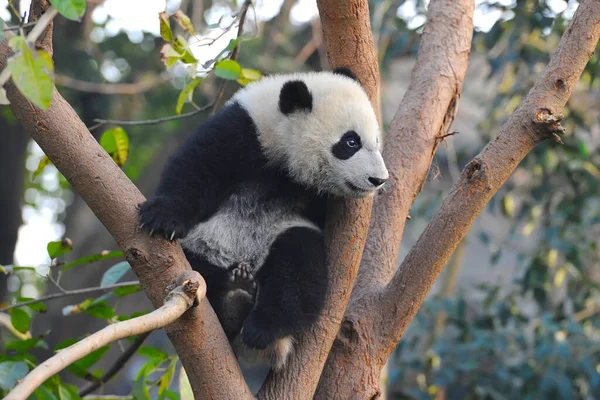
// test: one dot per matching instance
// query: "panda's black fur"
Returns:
(264, 296)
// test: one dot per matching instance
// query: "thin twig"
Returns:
(235, 51)
(178, 301)
(17, 27)
(116, 367)
(112, 88)
(100, 122)
(74, 292)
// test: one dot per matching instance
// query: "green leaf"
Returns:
(43, 163)
(105, 255)
(99, 310)
(230, 46)
(508, 206)
(116, 143)
(249, 75)
(165, 26)
(183, 48)
(169, 56)
(115, 273)
(43, 393)
(152, 353)
(32, 72)
(80, 367)
(166, 378)
(228, 69)
(126, 290)
(71, 9)
(57, 249)
(20, 320)
(185, 389)
(23, 346)
(186, 94)
(39, 306)
(11, 372)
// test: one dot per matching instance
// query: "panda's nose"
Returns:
(377, 181)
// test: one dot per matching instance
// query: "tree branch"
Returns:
(347, 220)
(176, 303)
(536, 119)
(197, 336)
(66, 293)
(425, 113)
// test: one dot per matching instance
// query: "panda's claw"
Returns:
(172, 236)
(141, 226)
(151, 232)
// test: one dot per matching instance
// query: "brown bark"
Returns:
(347, 221)
(425, 114)
(197, 336)
(535, 120)
(426, 111)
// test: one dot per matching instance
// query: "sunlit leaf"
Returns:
(165, 26)
(114, 273)
(71, 9)
(105, 255)
(20, 320)
(57, 249)
(169, 56)
(228, 69)
(32, 72)
(43, 163)
(184, 21)
(186, 94)
(99, 310)
(116, 143)
(185, 389)
(166, 378)
(11, 372)
(183, 48)
(559, 277)
(249, 75)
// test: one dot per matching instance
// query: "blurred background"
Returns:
(516, 312)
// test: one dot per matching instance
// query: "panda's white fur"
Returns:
(303, 140)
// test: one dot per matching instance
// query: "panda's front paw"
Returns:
(256, 333)
(159, 216)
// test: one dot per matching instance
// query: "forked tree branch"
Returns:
(178, 301)
(344, 22)
(197, 336)
(425, 113)
(536, 119)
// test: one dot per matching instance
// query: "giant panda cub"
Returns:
(246, 197)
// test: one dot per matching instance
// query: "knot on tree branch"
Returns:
(548, 124)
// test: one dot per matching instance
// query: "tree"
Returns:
(364, 289)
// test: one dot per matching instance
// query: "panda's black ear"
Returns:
(345, 72)
(295, 96)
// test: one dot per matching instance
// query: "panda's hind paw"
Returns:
(241, 277)
(158, 216)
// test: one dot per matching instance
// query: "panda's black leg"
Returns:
(291, 288)
(231, 292)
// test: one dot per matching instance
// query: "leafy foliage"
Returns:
(32, 72)
(116, 143)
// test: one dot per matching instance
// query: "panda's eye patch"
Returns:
(347, 146)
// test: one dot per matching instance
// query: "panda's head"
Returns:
(323, 128)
